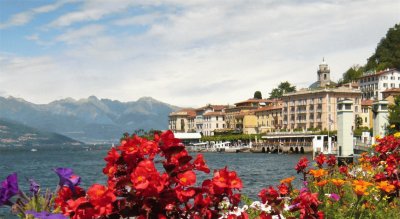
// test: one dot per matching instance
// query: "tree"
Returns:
(284, 87)
(358, 122)
(352, 74)
(257, 95)
(387, 53)
(394, 116)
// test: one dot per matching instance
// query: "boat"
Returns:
(33, 149)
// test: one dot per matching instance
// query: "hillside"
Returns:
(16, 134)
(91, 119)
(386, 55)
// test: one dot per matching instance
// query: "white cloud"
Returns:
(198, 52)
(26, 16)
(74, 36)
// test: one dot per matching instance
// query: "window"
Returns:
(376, 86)
(392, 78)
(365, 119)
(217, 118)
(356, 108)
(217, 125)
(392, 85)
(347, 106)
(385, 85)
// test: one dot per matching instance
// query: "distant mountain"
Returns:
(89, 120)
(16, 134)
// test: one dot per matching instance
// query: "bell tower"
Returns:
(324, 74)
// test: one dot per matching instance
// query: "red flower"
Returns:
(283, 189)
(307, 203)
(187, 178)
(81, 209)
(101, 198)
(112, 156)
(343, 169)
(320, 159)
(331, 160)
(269, 194)
(225, 179)
(64, 194)
(200, 165)
(302, 164)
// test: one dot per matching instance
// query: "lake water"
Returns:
(255, 170)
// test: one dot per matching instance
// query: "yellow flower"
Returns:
(377, 137)
(397, 135)
(393, 126)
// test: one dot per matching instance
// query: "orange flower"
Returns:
(361, 183)
(318, 173)
(385, 186)
(338, 182)
(288, 180)
(322, 183)
(361, 186)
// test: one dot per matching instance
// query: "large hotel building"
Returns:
(315, 107)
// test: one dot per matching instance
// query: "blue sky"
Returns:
(186, 53)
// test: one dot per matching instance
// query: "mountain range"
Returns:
(91, 119)
(15, 134)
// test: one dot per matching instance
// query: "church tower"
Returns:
(324, 74)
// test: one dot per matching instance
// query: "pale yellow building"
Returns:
(246, 121)
(269, 119)
(182, 121)
(366, 113)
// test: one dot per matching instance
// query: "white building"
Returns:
(213, 121)
(372, 84)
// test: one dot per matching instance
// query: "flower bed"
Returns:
(136, 188)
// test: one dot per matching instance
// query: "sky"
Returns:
(185, 53)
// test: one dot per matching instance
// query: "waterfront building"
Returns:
(372, 84)
(269, 118)
(213, 121)
(200, 120)
(182, 120)
(241, 118)
(366, 113)
(315, 107)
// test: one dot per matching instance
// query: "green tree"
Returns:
(394, 116)
(352, 74)
(387, 53)
(257, 95)
(283, 87)
(358, 122)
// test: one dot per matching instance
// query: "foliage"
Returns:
(232, 137)
(283, 87)
(358, 121)
(257, 95)
(352, 74)
(387, 53)
(394, 116)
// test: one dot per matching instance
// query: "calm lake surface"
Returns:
(255, 170)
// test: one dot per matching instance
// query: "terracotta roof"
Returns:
(268, 108)
(378, 73)
(255, 101)
(366, 102)
(214, 107)
(184, 112)
(392, 90)
(214, 114)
